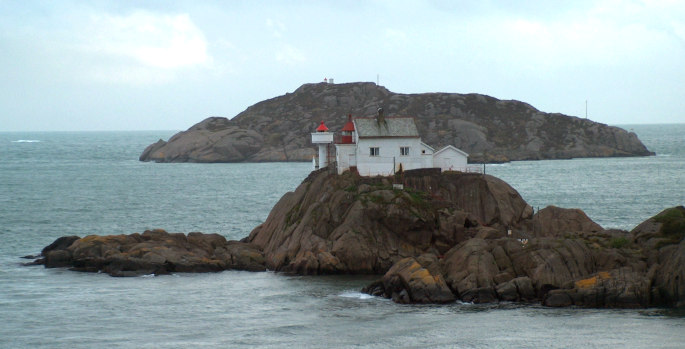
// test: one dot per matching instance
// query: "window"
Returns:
(404, 151)
(374, 151)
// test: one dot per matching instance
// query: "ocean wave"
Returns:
(26, 141)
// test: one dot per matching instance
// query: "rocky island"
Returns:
(434, 237)
(489, 129)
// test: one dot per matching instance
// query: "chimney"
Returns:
(381, 117)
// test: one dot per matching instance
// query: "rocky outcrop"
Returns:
(214, 139)
(575, 265)
(488, 129)
(352, 224)
(558, 272)
(152, 252)
(435, 237)
(472, 235)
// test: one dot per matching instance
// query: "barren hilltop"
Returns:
(489, 129)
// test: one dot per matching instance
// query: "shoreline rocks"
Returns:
(152, 252)
(442, 237)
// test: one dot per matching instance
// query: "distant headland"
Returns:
(488, 129)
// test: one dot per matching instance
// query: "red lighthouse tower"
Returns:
(347, 131)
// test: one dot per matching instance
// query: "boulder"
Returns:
(557, 221)
(408, 281)
(470, 269)
(515, 290)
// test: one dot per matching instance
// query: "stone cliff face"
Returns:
(488, 129)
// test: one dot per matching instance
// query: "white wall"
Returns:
(426, 156)
(345, 156)
(389, 148)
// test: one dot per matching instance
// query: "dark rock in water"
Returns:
(490, 130)
(56, 254)
(61, 243)
(153, 252)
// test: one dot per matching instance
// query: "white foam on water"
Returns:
(26, 141)
(357, 295)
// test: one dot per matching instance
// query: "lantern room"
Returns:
(324, 139)
(347, 133)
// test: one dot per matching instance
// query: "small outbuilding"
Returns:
(450, 158)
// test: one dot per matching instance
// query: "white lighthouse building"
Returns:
(324, 139)
(382, 145)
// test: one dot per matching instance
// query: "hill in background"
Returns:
(489, 129)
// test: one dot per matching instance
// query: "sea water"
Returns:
(60, 183)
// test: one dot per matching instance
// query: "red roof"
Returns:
(349, 126)
(322, 128)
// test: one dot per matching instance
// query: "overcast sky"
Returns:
(166, 65)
